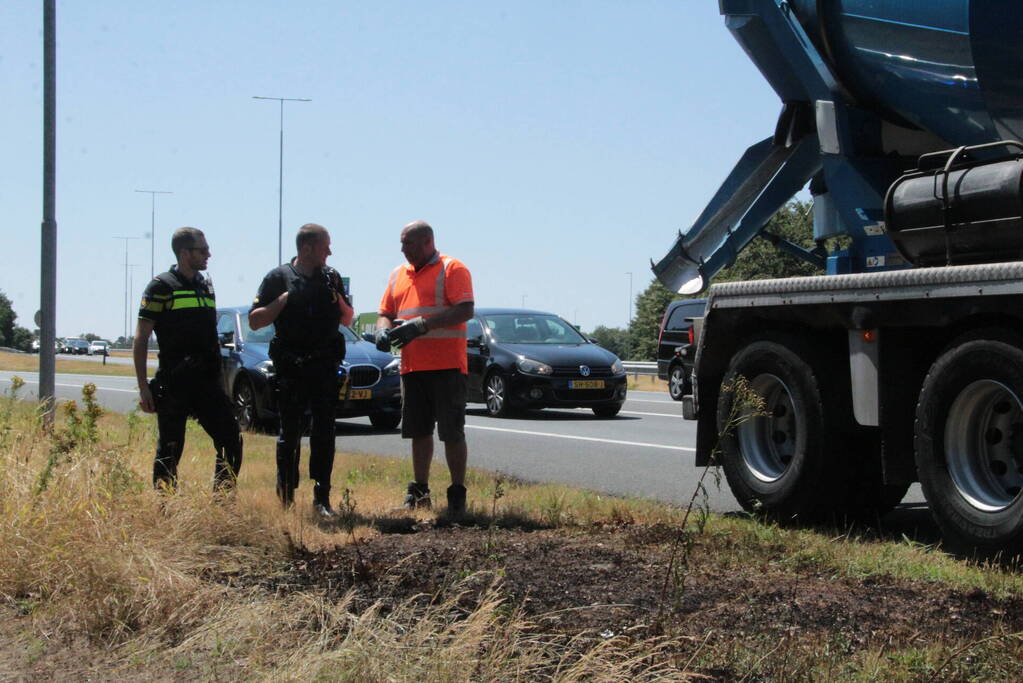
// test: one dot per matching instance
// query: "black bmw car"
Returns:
(370, 383)
(522, 359)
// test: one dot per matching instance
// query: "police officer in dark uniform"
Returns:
(180, 307)
(306, 301)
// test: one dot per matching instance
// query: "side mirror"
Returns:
(475, 342)
(592, 340)
(370, 337)
(227, 340)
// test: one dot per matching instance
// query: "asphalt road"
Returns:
(647, 450)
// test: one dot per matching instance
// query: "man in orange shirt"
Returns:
(432, 293)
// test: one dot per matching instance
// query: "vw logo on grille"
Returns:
(584, 370)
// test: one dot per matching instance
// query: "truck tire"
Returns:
(777, 464)
(969, 445)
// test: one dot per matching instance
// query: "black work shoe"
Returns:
(456, 499)
(324, 511)
(286, 495)
(417, 496)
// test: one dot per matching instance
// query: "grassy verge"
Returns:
(24, 362)
(647, 383)
(101, 577)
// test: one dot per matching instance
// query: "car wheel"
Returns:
(244, 403)
(969, 445)
(776, 459)
(677, 383)
(609, 410)
(495, 393)
(385, 421)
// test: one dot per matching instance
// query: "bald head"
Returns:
(417, 243)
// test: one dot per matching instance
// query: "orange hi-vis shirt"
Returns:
(440, 284)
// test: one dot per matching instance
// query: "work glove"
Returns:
(407, 331)
(383, 340)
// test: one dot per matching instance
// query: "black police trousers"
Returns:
(202, 397)
(310, 387)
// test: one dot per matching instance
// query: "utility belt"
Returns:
(282, 356)
(181, 374)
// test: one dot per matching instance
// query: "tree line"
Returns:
(759, 261)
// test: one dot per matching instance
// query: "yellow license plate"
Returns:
(356, 394)
(586, 384)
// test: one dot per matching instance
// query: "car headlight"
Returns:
(266, 367)
(392, 368)
(532, 367)
(617, 368)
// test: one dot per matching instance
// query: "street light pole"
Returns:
(280, 172)
(48, 229)
(152, 229)
(126, 281)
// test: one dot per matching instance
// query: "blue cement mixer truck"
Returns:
(904, 362)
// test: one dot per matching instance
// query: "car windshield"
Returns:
(520, 328)
(261, 336)
(264, 334)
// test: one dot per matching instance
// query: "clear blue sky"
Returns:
(554, 146)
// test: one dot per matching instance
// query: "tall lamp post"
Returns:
(48, 229)
(126, 281)
(152, 229)
(280, 172)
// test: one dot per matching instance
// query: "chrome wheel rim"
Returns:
(495, 394)
(244, 406)
(768, 442)
(984, 445)
(677, 381)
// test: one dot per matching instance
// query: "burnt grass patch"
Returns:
(610, 580)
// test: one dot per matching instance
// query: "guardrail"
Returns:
(638, 367)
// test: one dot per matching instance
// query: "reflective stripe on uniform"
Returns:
(420, 310)
(443, 333)
(190, 302)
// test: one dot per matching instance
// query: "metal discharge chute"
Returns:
(873, 92)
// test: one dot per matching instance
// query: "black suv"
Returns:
(675, 348)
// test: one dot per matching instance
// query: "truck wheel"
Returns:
(969, 445)
(678, 385)
(776, 462)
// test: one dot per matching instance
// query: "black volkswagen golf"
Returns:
(522, 359)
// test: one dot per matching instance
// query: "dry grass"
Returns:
(29, 362)
(647, 383)
(103, 578)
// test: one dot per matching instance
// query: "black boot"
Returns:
(456, 499)
(417, 496)
(321, 502)
(286, 494)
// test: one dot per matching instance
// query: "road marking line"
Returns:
(648, 400)
(583, 438)
(636, 412)
(74, 386)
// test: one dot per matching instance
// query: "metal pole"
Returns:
(48, 236)
(280, 192)
(126, 281)
(152, 228)
(280, 173)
